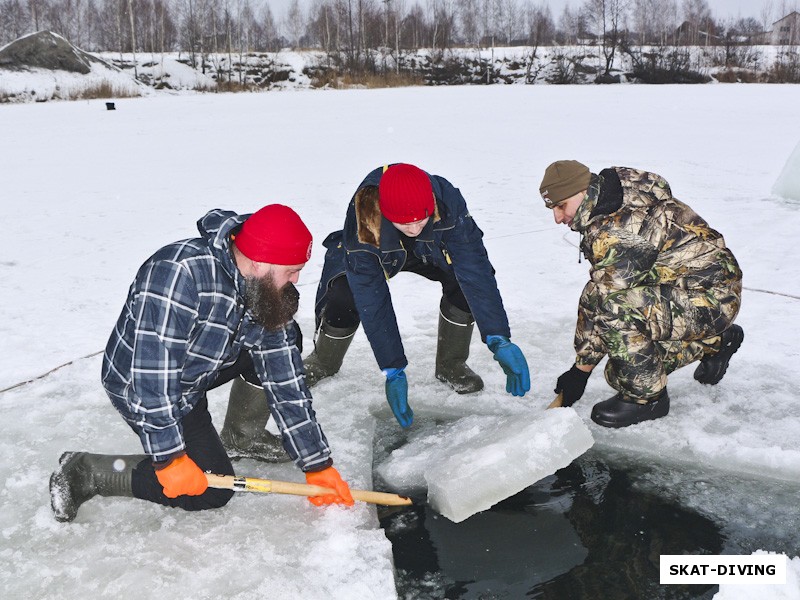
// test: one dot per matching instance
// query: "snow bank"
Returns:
(789, 591)
(41, 84)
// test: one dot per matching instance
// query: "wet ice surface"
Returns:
(595, 529)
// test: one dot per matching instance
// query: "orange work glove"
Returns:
(182, 477)
(329, 478)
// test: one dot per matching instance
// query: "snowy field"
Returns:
(89, 194)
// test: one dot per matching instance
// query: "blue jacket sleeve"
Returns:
(367, 281)
(474, 272)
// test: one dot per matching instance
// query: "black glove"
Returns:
(571, 385)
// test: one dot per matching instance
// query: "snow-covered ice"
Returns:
(473, 463)
(788, 591)
(89, 194)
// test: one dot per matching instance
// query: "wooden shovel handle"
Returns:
(269, 486)
(558, 402)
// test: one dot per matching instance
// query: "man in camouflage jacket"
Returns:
(663, 290)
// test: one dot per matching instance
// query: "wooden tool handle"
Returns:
(558, 402)
(269, 486)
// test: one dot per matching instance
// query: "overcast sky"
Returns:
(721, 9)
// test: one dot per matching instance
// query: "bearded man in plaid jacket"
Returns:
(200, 313)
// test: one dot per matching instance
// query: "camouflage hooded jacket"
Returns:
(636, 234)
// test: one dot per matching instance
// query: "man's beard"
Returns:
(272, 307)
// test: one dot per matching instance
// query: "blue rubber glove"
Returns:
(510, 357)
(397, 395)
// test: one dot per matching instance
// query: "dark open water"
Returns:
(591, 531)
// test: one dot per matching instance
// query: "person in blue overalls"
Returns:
(403, 219)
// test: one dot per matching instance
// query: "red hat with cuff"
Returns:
(275, 234)
(406, 195)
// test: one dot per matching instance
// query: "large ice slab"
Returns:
(472, 464)
(788, 182)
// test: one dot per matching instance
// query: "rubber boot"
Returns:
(244, 432)
(620, 411)
(712, 368)
(81, 476)
(330, 347)
(452, 350)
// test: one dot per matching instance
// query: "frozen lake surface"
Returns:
(90, 194)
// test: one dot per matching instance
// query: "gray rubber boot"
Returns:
(330, 347)
(81, 476)
(244, 432)
(452, 351)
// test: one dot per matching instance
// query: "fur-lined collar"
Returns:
(369, 218)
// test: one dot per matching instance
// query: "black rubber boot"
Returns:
(244, 432)
(620, 411)
(452, 350)
(712, 368)
(81, 476)
(330, 347)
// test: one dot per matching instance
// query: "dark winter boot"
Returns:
(452, 351)
(244, 432)
(81, 476)
(621, 411)
(330, 347)
(712, 368)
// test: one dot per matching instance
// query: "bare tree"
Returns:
(36, 8)
(468, 18)
(442, 19)
(133, 37)
(294, 23)
(399, 20)
(608, 17)
(510, 19)
(267, 30)
(766, 14)
(573, 25)
(655, 21)
(14, 20)
(697, 17)
(540, 30)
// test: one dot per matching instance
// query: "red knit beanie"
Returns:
(276, 235)
(405, 194)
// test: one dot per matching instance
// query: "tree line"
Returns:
(353, 32)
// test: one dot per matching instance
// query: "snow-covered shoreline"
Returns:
(170, 73)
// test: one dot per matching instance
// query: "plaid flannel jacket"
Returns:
(183, 322)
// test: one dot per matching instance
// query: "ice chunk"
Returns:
(506, 456)
(473, 463)
(788, 183)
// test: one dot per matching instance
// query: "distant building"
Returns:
(786, 31)
(692, 34)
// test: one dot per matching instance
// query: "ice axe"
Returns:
(269, 486)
